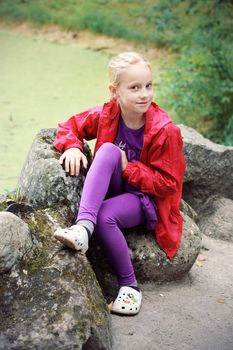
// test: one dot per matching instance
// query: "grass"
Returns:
(132, 20)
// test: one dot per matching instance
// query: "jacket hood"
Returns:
(156, 119)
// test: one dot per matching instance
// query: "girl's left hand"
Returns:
(124, 160)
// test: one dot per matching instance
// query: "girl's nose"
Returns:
(144, 93)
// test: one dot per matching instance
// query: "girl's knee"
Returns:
(109, 148)
(109, 151)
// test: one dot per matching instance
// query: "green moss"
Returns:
(35, 263)
(42, 288)
(4, 205)
(86, 280)
(38, 224)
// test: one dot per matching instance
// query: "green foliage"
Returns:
(21, 10)
(200, 84)
(97, 15)
(98, 21)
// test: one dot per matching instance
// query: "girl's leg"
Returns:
(104, 176)
(116, 213)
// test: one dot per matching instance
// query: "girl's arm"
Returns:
(71, 133)
(166, 165)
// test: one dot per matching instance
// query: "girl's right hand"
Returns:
(72, 158)
(124, 160)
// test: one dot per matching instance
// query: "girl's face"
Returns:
(135, 90)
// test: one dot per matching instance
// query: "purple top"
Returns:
(131, 141)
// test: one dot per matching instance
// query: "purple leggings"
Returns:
(120, 210)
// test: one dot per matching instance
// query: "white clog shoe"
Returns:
(128, 301)
(74, 237)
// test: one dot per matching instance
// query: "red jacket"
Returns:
(159, 171)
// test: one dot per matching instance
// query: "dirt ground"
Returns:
(193, 314)
(87, 39)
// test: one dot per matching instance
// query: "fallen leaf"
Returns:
(199, 264)
(221, 301)
(110, 306)
(202, 258)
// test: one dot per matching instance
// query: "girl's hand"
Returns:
(124, 160)
(71, 159)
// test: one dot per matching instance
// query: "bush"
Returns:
(200, 84)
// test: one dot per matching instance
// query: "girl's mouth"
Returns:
(143, 103)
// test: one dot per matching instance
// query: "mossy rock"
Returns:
(51, 299)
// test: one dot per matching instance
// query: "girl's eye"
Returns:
(134, 87)
(149, 85)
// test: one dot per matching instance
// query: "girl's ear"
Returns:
(112, 90)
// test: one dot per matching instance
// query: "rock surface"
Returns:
(51, 299)
(43, 182)
(151, 263)
(216, 218)
(15, 240)
(209, 168)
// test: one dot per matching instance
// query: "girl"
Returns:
(135, 177)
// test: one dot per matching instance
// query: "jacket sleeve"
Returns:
(80, 126)
(162, 176)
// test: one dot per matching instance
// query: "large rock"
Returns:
(51, 299)
(150, 262)
(216, 218)
(209, 169)
(15, 240)
(43, 182)
(55, 187)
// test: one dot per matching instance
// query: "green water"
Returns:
(42, 83)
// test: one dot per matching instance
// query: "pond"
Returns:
(41, 84)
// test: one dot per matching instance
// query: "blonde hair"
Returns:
(122, 61)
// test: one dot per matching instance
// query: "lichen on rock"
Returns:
(51, 299)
